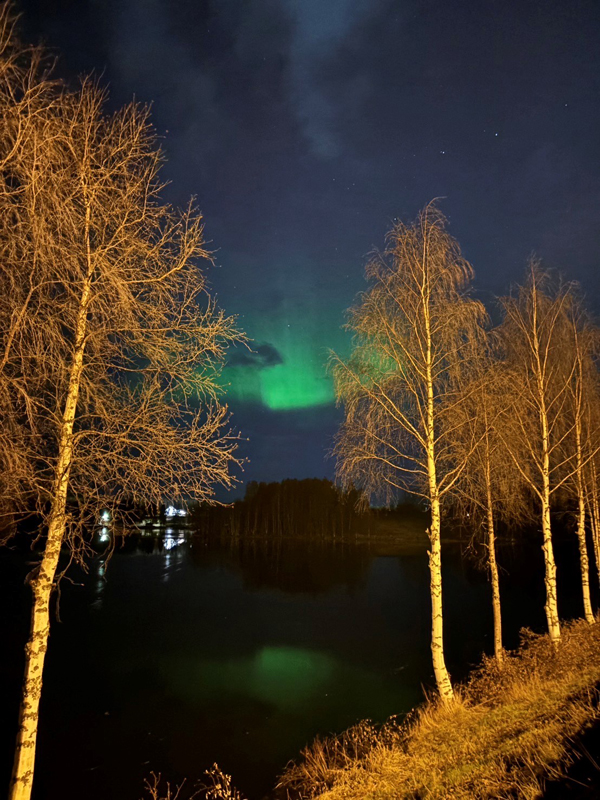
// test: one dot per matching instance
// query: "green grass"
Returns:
(506, 733)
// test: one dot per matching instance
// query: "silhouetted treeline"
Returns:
(293, 508)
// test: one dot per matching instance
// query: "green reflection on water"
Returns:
(289, 682)
(287, 676)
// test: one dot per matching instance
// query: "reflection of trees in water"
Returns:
(297, 536)
(295, 566)
(522, 576)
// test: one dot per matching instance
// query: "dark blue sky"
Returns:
(304, 127)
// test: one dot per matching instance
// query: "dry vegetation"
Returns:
(505, 734)
(216, 786)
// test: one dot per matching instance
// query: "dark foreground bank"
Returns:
(510, 732)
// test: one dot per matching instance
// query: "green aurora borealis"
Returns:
(299, 380)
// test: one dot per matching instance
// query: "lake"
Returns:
(179, 653)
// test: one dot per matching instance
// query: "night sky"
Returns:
(304, 127)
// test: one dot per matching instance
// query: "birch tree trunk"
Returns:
(35, 654)
(36, 647)
(494, 577)
(595, 519)
(584, 563)
(551, 607)
(442, 678)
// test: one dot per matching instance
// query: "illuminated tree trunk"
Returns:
(42, 584)
(494, 577)
(551, 607)
(583, 554)
(595, 518)
(442, 677)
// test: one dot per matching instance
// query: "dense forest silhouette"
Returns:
(313, 507)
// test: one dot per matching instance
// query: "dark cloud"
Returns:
(318, 29)
(260, 357)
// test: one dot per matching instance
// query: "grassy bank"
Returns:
(507, 732)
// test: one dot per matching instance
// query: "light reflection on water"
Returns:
(99, 575)
(173, 551)
(173, 539)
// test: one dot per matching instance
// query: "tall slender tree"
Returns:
(110, 344)
(579, 350)
(489, 489)
(534, 337)
(416, 331)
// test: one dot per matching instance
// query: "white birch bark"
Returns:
(551, 606)
(442, 677)
(42, 584)
(494, 577)
(595, 518)
(584, 563)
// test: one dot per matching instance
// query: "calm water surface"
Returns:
(172, 658)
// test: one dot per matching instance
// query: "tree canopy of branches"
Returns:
(544, 351)
(579, 354)
(110, 343)
(417, 336)
(489, 489)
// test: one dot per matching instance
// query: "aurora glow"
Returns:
(288, 121)
(300, 382)
(299, 379)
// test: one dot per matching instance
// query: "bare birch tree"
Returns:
(416, 332)
(534, 336)
(579, 349)
(489, 488)
(111, 344)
